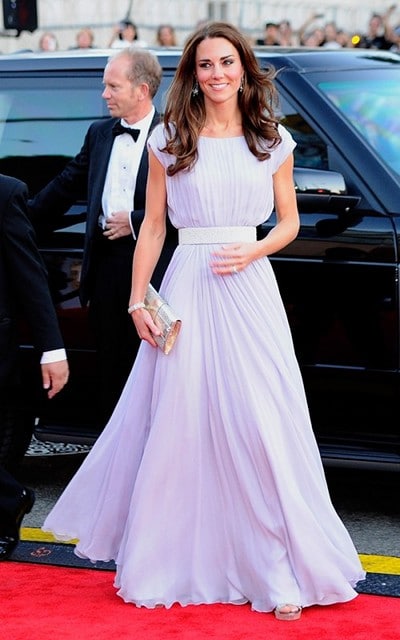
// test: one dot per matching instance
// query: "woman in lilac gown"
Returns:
(206, 485)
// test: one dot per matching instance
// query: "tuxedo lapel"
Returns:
(141, 181)
(100, 154)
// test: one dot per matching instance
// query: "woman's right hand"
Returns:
(145, 327)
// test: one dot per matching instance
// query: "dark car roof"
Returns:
(306, 59)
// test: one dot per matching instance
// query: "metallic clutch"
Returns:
(164, 317)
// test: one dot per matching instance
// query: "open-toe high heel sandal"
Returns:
(288, 612)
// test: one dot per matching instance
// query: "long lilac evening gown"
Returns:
(207, 485)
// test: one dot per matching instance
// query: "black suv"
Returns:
(339, 279)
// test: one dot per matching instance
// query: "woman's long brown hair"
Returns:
(185, 114)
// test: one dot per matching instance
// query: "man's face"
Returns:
(120, 94)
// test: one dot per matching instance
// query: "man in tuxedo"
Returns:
(110, 171)
(24, 292)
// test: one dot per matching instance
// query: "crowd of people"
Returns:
(124, 34)
(380, 34)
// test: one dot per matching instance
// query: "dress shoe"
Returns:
(11, 526)
(7, 546)
(288, 612)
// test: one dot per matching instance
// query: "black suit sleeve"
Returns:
(26, 275)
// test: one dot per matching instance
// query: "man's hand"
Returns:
(55, 376)
(118, 226)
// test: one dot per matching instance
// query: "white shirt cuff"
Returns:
(53, 356)
(131, 226)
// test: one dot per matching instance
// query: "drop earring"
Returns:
(195, 90)
(241, 85)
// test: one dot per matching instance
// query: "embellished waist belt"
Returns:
(216, 235)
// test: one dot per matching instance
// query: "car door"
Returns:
(45, 115)
(339, 282)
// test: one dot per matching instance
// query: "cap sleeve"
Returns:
(157, 141)
(283, 150)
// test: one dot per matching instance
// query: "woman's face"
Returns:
(166, 37)
(218, 69)
(129, 33)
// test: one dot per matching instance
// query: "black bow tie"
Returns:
(119, 128)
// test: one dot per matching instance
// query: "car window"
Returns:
(310, 150)
(371, 104)
(43, 123)
(160, 99)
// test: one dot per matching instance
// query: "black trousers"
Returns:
(115, 335)
(10, 493)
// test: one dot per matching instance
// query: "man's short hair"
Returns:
(144, 67)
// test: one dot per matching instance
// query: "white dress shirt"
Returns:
(123, 167)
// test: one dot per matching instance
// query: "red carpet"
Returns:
(56, 603)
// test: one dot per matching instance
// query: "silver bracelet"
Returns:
(136, 306)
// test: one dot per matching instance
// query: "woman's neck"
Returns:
(223, 122)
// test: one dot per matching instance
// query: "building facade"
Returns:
(66, 17)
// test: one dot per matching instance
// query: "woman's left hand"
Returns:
(232, 258)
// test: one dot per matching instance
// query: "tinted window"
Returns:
(43, 123)
(371, 103)
(310, 151)
(161, 97)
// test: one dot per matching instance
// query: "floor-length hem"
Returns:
(258, 608)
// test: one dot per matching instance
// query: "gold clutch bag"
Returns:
(164, 317)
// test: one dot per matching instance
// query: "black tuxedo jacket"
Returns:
(24, 287)
(83, 178)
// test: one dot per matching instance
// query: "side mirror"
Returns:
(317, 189)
